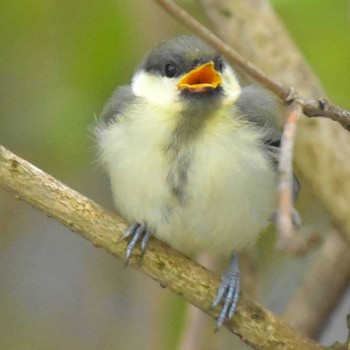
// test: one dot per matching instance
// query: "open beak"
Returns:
(200, 79)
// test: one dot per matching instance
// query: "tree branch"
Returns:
(323, 108)
(287, 94)
(253, 29)
(255, 325)
(264, 40)
(319, 157)
(231, 54)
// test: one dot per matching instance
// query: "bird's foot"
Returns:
(137, 232)
(228, 293)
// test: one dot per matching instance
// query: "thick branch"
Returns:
(252, 323)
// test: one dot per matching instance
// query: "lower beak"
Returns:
(200, 79)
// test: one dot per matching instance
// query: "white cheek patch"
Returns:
(230, 84)
(163, 91)
(158, 90)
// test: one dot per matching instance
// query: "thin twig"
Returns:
(256, 32)
(287, 216)
(310, 108)
(285, 183)
(232, 55)
(323, 108)
(255, 325)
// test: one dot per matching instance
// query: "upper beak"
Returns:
(202, 78)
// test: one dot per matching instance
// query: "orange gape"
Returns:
(202, 78)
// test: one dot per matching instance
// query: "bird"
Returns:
(191, 154)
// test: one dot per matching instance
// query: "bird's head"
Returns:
(185, 70)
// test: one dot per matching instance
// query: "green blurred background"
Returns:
(59, 62)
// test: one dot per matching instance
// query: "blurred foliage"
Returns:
(59, 62)
(321, 29)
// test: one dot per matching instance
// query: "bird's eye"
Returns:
(170, 70)
(218, 64)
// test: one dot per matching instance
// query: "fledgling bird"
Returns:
(191, 156)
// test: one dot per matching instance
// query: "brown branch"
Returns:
(288, 94)
(321, 161)
(252, 21)
(255, 325)
(323, 108)
(254, 30)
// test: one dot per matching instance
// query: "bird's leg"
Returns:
(228, 292)
(137, 232)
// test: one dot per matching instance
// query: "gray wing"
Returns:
(264, 109)
(121, 99)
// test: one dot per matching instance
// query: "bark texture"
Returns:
(255, 325)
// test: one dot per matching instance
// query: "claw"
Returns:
(145, 241)
(228, 293)
(130, 230)
(137, 232)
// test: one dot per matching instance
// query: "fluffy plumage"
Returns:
(196, 168)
